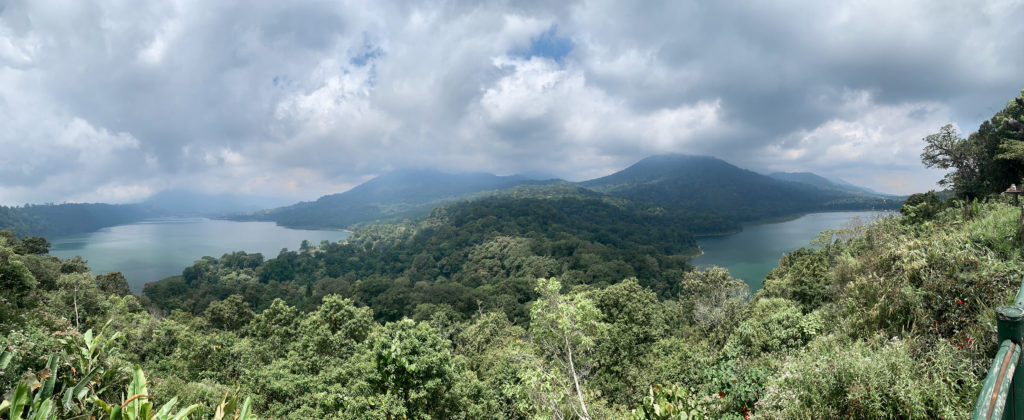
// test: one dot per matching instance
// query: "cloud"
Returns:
(108, 101)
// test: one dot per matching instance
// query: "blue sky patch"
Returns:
(549, 45)
(368, 52)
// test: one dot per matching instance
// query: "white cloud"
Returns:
(111, 100)
(874, 144)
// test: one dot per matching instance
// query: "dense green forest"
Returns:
(534, 304)
(466, 257)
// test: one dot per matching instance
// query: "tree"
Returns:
(274, 328)
(229, 314)
(413, 375)
(33, 245)
(79, 291)
(16, 280)
(565, 329)
(947, 150)
(988, 161)
(335, 329)
(635, 322)
(203, 271)
(113, 283)
(711, 301)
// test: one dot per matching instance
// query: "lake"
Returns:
(155, 249)
(754, 252)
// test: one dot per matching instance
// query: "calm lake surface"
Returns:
(751, 254)
(155, 249)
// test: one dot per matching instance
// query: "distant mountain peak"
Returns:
(706, 184)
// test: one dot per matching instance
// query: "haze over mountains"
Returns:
(395, 195)
(698, 184)
(695, 185)
(52, 220)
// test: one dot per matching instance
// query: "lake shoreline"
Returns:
(781, 219)
(157, 248)
(753, 252)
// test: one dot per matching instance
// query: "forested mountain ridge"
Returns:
(803, 178)
(703, 184)
(55, 220)
(697, 185)
(66, 219)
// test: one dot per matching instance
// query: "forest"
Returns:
(535, 305)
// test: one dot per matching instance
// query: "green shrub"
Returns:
(834, 377)
(770, 325)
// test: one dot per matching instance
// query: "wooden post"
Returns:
(1020, 227)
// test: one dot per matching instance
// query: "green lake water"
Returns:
(752, 253)
(155, 249)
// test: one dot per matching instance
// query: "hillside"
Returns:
(473, 253)
(390, 197)
(803, 178)
(820, 181)
(704, 184)
(54, 220)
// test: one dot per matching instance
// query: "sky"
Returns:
(114, 101)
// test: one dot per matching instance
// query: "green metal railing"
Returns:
(1002, 395)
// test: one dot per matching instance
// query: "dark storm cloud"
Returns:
(113, 102)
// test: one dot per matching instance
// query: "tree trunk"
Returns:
(75, 299)
(576, 380)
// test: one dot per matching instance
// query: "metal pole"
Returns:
(1010, 325)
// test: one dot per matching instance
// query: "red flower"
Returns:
(959, 302)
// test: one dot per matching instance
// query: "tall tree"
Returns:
(988, 160)
(565, 329)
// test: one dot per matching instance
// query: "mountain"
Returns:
(803, 178)
(820, 181)
(859, 188)
(705, 184)
(703, 187)
(392, 196)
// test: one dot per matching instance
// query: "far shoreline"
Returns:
(782, 219)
